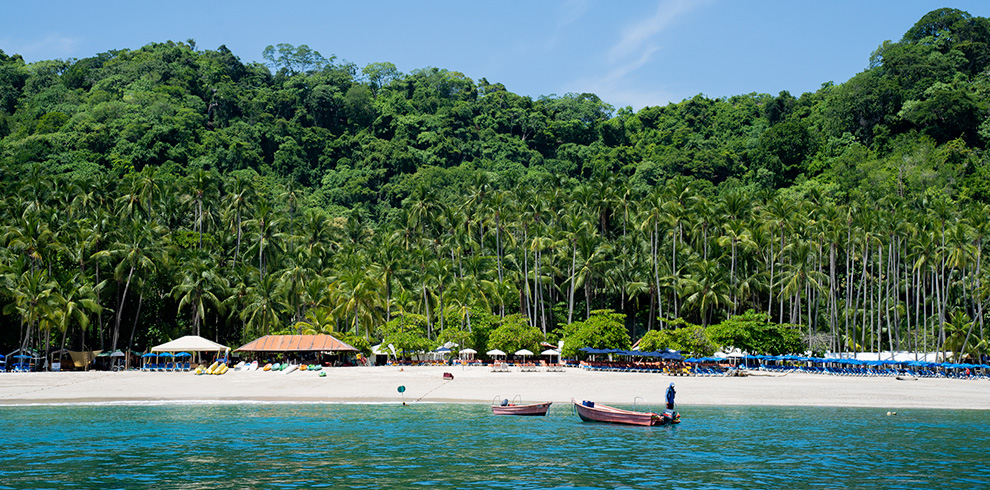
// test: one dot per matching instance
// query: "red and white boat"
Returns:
(593, 412)
(515, 408)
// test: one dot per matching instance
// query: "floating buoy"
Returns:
(891, 413)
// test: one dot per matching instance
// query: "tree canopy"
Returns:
(165, 190)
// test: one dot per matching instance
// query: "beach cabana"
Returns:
(191, 343)
(285, 344)
(296, 343)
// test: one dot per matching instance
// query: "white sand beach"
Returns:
(480, 385)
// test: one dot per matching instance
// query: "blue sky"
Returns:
(631, 53)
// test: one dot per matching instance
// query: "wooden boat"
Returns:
(506, 408)
(592, 412)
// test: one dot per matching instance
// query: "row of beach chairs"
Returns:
(655, 367)
(869, 371)
(528, 367)
(646, 367)
(166, 366)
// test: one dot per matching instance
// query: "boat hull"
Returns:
(612, 415)
(535, 409)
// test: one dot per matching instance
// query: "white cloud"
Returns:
(638, 43)
(640, 36)
(52, 46)
(570, 11)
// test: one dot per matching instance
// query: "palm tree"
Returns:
(238, 202)
(260, 311)
(133, 252)
(32, 292)
(704, 288)
(74, 303)
(358, 296)
(202, 187)
(736, 236)
(199, 285)
(267, 237)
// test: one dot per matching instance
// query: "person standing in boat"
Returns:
(670, 396)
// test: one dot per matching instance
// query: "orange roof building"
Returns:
(296, 343)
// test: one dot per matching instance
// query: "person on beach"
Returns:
(670, 396)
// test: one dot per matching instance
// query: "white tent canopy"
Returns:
(190, 343)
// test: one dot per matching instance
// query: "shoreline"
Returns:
(477, 385)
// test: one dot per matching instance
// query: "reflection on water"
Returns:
(464, 446)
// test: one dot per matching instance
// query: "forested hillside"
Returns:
(168, 190)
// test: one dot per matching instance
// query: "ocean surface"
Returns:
(255, 445)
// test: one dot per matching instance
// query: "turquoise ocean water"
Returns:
(463, 446)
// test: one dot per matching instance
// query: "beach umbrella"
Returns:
(524, 353)
(551, 352)
(183, 354)
(117, 353)
(469, 352)
(495, 352)
(440, 351)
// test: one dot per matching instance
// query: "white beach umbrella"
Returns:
(524, 353)
(469, 352)
(495, 352)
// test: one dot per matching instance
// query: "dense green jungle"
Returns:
(170, 190)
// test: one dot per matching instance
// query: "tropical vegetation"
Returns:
(169, 190)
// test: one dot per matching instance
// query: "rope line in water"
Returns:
(431, 391)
